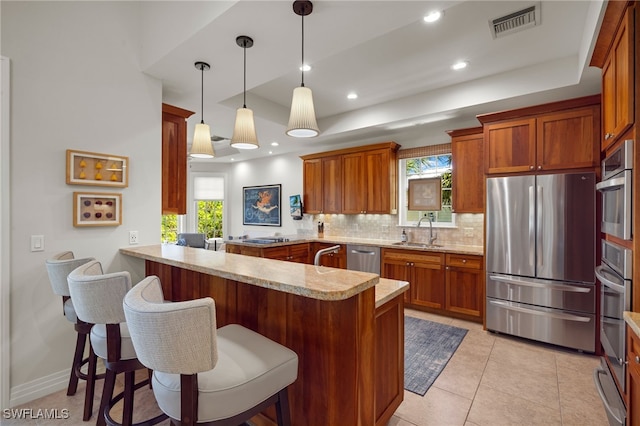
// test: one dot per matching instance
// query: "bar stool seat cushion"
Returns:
(70, 311)
(250, 369)
(99, 341)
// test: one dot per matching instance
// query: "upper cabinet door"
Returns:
(467, 174)
(617, 83)
(380, 195)
(174, 159)
(568, 140)
(312, 186)
(354, 195)
(510, 146)
(332, 184)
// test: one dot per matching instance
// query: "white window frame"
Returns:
(190, 224)
(403, 202)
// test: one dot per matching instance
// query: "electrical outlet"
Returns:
(133, 237)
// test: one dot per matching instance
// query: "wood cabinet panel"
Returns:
(633, 378)
(467, 174)
(174, 159)
(353, 181)
(510, 146)
(557, 137)
(618, 83)
(465, 285)
(333, 260)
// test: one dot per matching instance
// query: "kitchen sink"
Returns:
(422, 245)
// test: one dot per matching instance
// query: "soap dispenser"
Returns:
(404, 236)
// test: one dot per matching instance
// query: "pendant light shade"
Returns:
(201, 146)
(244, 131)
(302, 119)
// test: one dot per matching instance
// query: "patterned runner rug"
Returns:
(428, 346)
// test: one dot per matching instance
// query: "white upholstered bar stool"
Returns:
(58, 268)
(203, 375)
(98, 299)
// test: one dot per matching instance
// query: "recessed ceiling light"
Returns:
(459, 65)
(274, 144)
(352, 95)
(433, 16)
(270, 152)
(305, 67)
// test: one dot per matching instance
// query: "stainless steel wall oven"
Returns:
(616, 190)
(614, 274)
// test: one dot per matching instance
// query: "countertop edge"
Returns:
(387, 289)
(367, 281)
(633, 320)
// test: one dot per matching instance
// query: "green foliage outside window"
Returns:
(169, 228)
(210, 218)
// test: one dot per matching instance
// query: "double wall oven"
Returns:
(614, 273)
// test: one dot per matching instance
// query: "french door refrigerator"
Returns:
(540, 258)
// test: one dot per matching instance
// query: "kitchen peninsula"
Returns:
(347, 327)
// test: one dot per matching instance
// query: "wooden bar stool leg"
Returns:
(107, 393)
(282, 408)
(91, 385)
(129, 388)
(77, 362)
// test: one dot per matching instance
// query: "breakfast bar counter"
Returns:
(347, 327)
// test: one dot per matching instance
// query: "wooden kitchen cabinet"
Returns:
(633, 378)
(322, 185)
(352, 181)
(467, 174)
(333, 260)
(174, 159)
(367, 185)
(465, 285)
(423, 270)
(617, 83)
(558, 136)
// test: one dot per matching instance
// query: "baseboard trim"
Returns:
(30, 391)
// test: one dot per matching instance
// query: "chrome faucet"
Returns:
(432, 238)
(332, 249)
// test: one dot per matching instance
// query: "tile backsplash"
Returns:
(469, 229)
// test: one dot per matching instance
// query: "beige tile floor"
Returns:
(491, 380)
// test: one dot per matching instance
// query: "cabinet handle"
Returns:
(447, 268)
(539, 167)
(464, 260)
(637, 359)
(608, 136)
(530, 167)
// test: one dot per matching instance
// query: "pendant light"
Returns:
(201, 146)
(302, 120)
(244, 131)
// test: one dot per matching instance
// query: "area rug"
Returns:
(428, 346)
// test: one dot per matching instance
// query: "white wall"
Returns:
(76, 84)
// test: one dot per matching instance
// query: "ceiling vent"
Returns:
(222, 147)
(516, 21)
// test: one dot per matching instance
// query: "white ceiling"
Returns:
(383, 50)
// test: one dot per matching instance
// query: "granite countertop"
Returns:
(316, 282)
(387, 289)
(633, 320)
(446, 248)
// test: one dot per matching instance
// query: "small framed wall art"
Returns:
(97, 209)
(91, 168)
(261, 205)
(425, 194)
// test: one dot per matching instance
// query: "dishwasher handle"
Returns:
(369, 252)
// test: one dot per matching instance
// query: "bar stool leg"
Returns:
(91, 385)
(77, 362)
(107, 393)
(129, 388)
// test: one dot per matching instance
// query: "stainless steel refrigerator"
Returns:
(540, 258)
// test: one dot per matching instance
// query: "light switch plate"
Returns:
(37, 243)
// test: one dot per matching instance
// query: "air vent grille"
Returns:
(516, 21)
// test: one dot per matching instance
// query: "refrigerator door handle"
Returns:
(539, 230)
(561, 287)
(532, 231)
(560, 315)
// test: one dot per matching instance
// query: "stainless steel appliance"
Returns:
(616, 191)
(540, 258)
(363, 258)
(614, 274)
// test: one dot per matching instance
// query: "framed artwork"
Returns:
(425, 194)
(90, 168)
(261, 205)
(97, 209)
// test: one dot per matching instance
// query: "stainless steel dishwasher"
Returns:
(363, 258)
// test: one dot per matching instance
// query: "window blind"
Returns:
(208, 188)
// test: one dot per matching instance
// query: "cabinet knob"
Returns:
(637, 359)
(464, 260)
(608, 136)
(447, 268)
(539, 167)
(530, 167)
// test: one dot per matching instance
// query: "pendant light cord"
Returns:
(202, 93)
(244, 93)
(302, 66)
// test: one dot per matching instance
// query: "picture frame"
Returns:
(95, 169)
(425, 194)
(262, 205)
(97, 209)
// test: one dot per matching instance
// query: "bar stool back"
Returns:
(58, 268)
(202, 374)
